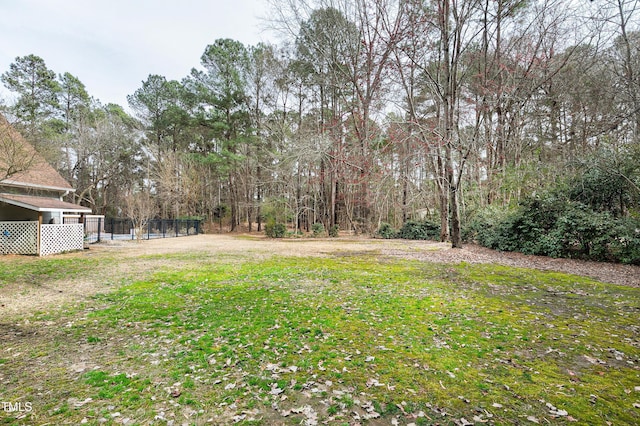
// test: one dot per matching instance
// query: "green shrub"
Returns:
(528, 229)
(317, 229)
(552, 226)
(589, 214)
(624, 244)
(414, 230)
(501, 235)
(606, 181)
(333, 231)
(386, 231)
(275, 230)
(580, 232)
(483, 226)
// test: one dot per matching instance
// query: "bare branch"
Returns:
(16, 156)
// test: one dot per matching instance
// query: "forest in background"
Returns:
(514, 123)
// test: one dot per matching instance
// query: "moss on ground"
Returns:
(290, 340)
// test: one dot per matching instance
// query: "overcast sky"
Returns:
(113, 45)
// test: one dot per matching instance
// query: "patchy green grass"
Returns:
(339, 340)
(37, 271)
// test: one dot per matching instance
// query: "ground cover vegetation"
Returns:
(26, 270)
(373, 112)
(344, 339)
(589, 214)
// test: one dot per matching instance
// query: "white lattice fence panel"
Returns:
(61, 238)
(19, 237)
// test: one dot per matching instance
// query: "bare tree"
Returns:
(16, 156)
(104, 159)
(624, 18)
(140, 208)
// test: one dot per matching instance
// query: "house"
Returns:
(32, 210)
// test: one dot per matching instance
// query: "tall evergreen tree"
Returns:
(37, 103)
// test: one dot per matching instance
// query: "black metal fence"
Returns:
(97, 229)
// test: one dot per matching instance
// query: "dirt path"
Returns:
(138, 260)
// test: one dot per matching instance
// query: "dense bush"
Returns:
(386, 231)
(607, 181)
(554, 226)
(415, 230)
(625, 244)
(411, 230)
(275, 230)
(333, 231)
(483, 226)
(317, 229)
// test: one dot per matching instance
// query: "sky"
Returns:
(114, 45)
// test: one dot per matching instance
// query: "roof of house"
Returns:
(38, 174)
(42, 204)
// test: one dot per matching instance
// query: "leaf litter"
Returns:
(317, 367)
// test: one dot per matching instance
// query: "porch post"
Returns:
(39, 233)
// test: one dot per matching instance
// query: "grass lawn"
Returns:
(357, 339)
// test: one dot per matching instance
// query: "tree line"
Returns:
(367, 113)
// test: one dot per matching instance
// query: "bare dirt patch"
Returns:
(612, 273)
(138, 259)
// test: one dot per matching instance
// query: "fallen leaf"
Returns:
(76, 403)
(374, 382)
(275, 390)
(373, 415)
(593, 360)
(554, 411)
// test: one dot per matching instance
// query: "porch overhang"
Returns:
(42, 204)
